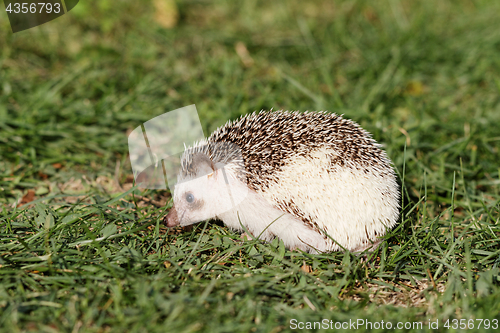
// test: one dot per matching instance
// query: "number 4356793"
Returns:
(471, 323)
(33, 8)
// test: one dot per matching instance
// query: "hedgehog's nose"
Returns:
(171, 220)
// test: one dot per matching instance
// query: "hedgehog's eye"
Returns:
(189, 198)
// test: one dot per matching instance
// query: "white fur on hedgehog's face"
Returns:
(196, 199)
(210, 193)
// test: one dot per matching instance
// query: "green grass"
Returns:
(89, 254)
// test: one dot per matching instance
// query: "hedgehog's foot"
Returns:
(298, 248)
(246, 236)
(371, 246)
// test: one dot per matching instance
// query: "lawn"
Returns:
(83, 250)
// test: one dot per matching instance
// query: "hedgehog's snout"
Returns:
(171, 219)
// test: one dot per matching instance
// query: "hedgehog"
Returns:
(315, 180)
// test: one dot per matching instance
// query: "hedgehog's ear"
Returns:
(203, 165)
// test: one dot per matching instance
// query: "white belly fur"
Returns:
(352, 206)
(256, 214)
